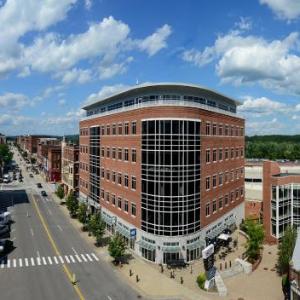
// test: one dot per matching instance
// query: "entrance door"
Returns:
(170, 256)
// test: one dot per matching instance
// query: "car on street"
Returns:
(43, 193)
(39, 185)
(4, 230)
(6, 178)
(5, 245)
(5, 217)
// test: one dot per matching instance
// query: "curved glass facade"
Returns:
(171, 177)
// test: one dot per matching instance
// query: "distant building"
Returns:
(70, 167)
(281, 200)
(165, 165)
(295, 271)
(2, 139)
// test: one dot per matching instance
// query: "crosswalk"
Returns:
(47, 260)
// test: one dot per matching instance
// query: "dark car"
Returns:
(43, 193)
(31, 175)
(6, 245)
(4, 230)
(39, 185)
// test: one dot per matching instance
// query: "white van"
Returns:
(6, 178)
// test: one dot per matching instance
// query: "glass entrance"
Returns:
(170, 256)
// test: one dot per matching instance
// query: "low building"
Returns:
(2, 139)
(281, 201)
(295, 271)
(70, 167)
(42, 149)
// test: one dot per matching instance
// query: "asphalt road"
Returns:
(48, 251)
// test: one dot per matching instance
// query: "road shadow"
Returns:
(10, 198)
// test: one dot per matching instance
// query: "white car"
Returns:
(6, 178)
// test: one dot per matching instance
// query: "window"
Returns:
(113, 153)
(133, 182)
(126, 205)
(236, 152)
(107, 152)
(120, 153)
(232, 153)
(113, 176)
(220, 154)
(236, 193)
(207, 159)
(220, 203)
(107, 174)
(126, 128)
(207, 183)
(113, 199)
(107, 196)
(214, 181)
(214, 208)
(220, 178)
(133, 209)
(226, 199)
(242, 152)
(133, 127)
(120, 128)
(242, 192)
(133, 155)
(226, 153)
(119, 178)
(119, 202)
(242, 131)
(102, 172)
(231, 196)
(102, 151)
(214, 155)
(108, 129)
(207, 209)
(207, 128)
(214, 129)
(226, 130)
(102, 130)
(102, 193)
(220, 129)
(114, 129)
(126, 155)
(126, 180)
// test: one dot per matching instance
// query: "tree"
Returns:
(97, 227)
(32, 160)
(60, 192)
(256, 235)
(117, 247)
(286, 249)
(72, 204)
(81, 214)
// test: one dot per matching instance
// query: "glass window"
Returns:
(214, 155)
(133, 155)
(133, 182)
(214, 206)
(214, 181)
(207, 157)
(133, 127)
(107, 174)
(207, 128)
(113, 153)
(113, 199)
(220, 178)
(126, 155)
(133, 209)
(126, 205)
(114, 129)
(207, 183)
(120, 128)
(126, 128)
(220, 154)
(102, 151)
(126, 180)
(107, 196)
(119, 178)
(114, 177)
(207, 209)
(107, 152)
(120, 153)
(214, 129)
(108, 129)
(220, 129)
(220, 202)
(226, 199)
(119, 202)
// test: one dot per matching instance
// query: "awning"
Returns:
(196, 244)
(171, 249)
(107, 219)
(224, 237)
(123, 231)
(146, 245)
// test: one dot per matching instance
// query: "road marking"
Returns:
(72, 258)
(50, 260)
(74, 251)
(67, 259)
(109, 298)
(8, 263)
(14, 262)
(90, 259)
(31, 231)
(59, 228)
(32, 261)
(49, 211)
(55, 259)
(26, 262)
(61, 259)
(94, 255)
(20, 262)
(83, 257)
(38, 261)
(38, 253)
(65, 268)
(44, 260)
(78, 258)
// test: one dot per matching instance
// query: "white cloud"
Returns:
(105, 91)
(62, 102)
(110, 70)
(250, 59)
(88, 4)
(156, 41)
(284, 9)
(244, 24)
(75, 75)
(13, 101)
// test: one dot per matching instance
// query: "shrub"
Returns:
(201, 280)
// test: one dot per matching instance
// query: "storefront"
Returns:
(147, 248)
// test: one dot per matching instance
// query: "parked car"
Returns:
(5, 245)
(6, 178)
(5, 217)
(4, 230)
(39, 185)
(43, 193)
(31, 175)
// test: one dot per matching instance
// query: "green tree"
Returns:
(60, 192)
(97, 227)
(32, 160)
(81, 214)
(117, 247)
(72, 204)
(286, 249)
(5, 155)
(256, 235)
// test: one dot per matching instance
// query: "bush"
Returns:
(60, 192)
(201, 280)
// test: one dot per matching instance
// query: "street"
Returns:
(49, 253)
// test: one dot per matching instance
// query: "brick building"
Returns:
(70, 167)
(2, 139)
(165, 165)
(281, 200)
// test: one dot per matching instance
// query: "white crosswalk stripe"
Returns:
(94, 255)
(83, 257)
(47, 260)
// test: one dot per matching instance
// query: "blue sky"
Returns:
(57, 55)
